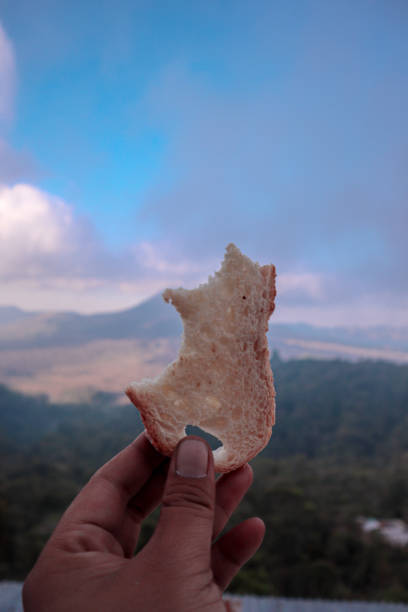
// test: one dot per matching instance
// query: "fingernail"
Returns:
(192, 459)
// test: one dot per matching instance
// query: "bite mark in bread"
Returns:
(222, 380)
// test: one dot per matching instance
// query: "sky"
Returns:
(138, 139)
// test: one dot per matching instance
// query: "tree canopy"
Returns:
(339, 450)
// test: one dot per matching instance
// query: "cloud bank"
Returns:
(306, 169)
(300, 162)
(38, 234)
(50, 257)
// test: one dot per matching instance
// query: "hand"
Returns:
(88, 565)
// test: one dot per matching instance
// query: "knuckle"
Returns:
(189, 496)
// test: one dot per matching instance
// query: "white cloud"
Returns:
(260, 170)
(43, 238)
(161, 259)
(308, 284)
(15, 165)
(33, 218)
(34, 227)
(50, 258)
(7, 76)
(306, 171)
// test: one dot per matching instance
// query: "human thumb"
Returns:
(186, 520)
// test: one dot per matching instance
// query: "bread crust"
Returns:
(222, 379)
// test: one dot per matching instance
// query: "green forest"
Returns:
(339, 451)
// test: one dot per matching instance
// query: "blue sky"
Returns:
(138, 139)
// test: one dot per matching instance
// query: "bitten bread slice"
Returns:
(222, 380)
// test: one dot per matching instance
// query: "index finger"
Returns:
(103, 500)
(132, 467)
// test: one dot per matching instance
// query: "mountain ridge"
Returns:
(153, 318)
(69, 356)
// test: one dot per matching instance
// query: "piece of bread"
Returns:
(222, 380)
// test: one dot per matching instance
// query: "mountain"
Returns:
(155, 319)
(69, 355)
(11, 314)
(151, 319)
(352, 343)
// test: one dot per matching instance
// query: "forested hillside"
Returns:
(340, 410)
(339, 450)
